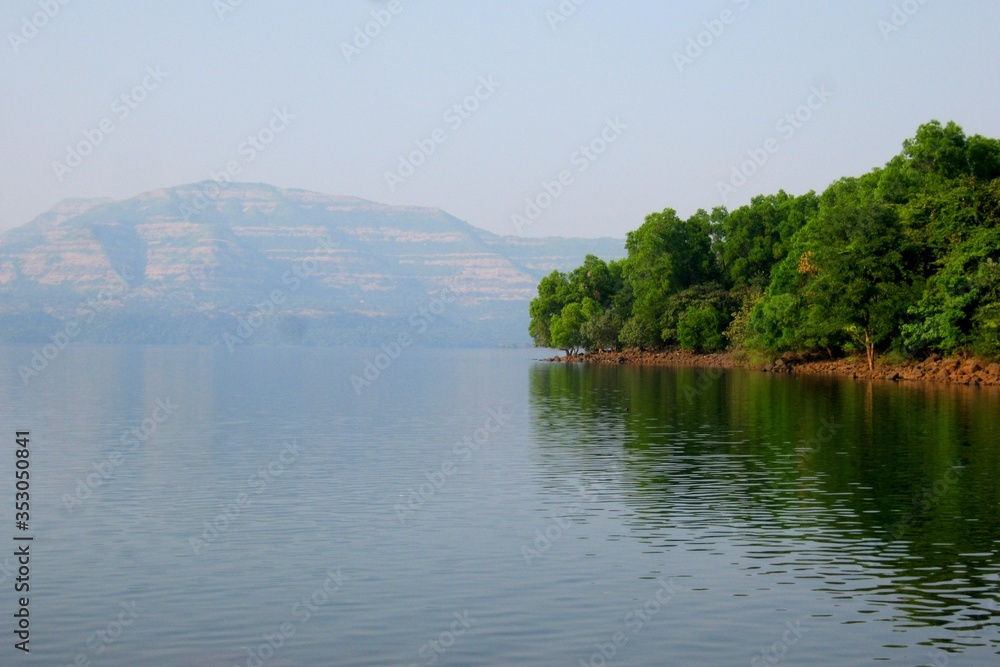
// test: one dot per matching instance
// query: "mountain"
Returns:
(245, 263)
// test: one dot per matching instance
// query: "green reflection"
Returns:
(894, 485)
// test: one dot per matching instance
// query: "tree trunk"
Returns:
(870, 350)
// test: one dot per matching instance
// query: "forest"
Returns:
(902, 261)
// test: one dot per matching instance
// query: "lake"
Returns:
(466, 507)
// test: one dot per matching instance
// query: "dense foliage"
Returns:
(905, 258)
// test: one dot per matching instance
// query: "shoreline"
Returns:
(953, 370)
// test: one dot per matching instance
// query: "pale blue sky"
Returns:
(685, 131)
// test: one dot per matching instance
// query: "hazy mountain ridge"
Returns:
(189, 264)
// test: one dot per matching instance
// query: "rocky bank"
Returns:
(964, 371)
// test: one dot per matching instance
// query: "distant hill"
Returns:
(248, 263)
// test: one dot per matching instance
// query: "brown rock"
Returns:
(781, 366)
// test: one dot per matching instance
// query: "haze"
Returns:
(161, 94)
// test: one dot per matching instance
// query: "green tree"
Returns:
(938, 149)
(957, 306)
(601, 326)
(755, 237)
(709, 295)
(594, 279)
(565, 330)
(700, 328)
(860, 283)
(905, 257)
(984, 157)
(665, 255)
(553, 295)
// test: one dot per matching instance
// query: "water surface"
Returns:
(481, 508)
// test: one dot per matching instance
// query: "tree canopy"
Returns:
(904, 258)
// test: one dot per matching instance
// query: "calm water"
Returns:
(479, 508)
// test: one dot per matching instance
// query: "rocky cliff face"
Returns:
(193, 263)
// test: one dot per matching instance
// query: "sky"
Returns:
(532, 117)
